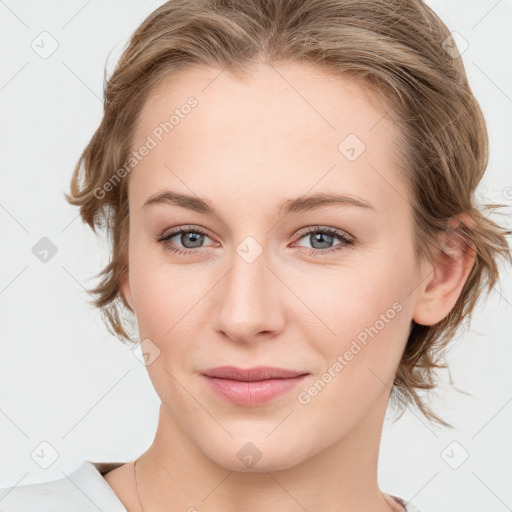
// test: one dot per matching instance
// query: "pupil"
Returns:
(194, 238)
(319, 236)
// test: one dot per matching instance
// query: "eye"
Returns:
(323, 237)
(191, 238)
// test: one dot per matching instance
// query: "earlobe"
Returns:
(454, 260)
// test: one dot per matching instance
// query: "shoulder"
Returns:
(84, 490)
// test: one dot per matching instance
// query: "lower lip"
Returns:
(251, 393)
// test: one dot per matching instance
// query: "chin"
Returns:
(246, 456)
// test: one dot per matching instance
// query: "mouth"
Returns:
(252, 386)
(257, 373)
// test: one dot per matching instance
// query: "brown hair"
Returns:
(397, 48)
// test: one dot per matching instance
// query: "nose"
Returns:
(249, 297)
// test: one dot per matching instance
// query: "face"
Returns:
(251, 271)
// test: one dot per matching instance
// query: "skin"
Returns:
(247, 146)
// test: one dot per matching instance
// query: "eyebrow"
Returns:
(299, 204)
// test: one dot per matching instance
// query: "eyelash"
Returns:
(347, 241)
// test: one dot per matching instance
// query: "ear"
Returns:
(126, 292)
(454, 260)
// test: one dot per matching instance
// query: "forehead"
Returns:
(291, 91)
(290, 126)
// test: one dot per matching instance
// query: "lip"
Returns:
(251, 386)
(251, 374)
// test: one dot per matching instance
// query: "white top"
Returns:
(83, 490)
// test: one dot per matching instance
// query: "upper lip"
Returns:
(251, 374)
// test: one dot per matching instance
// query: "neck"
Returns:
(174, 475)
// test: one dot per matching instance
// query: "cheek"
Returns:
(168, 297)
(367, 322)
(363, 311)
(164, 300)
(353, 296)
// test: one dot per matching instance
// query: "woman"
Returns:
(289, 189)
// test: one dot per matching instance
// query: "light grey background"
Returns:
(66, 382)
